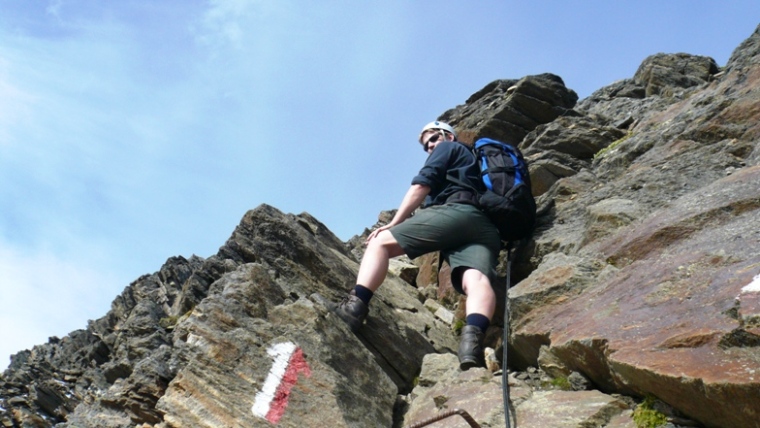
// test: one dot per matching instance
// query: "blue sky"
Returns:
(133, 131)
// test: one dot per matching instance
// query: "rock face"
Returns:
(641, 266)
(642, 279)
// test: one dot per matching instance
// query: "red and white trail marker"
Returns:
(271, 401)
(752, 287)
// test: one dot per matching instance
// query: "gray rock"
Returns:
(661, 74)
(545, 172)
(605, 217)
(579, 137)
(578, 382)
(569, 409)
(507, 110)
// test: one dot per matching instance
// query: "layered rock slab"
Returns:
(230, 358)
(663, 319)
(443, 388)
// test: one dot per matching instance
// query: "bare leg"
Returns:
(374, 266)
(372, 271)
(481, 298)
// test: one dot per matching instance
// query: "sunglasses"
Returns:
(437, 135)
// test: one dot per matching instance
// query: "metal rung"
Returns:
(445, 415)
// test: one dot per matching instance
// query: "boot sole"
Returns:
(468, 363)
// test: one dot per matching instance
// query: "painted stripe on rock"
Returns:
(752, 287)
(272, 399)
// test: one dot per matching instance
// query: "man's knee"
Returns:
(386, 242)
(474, 280)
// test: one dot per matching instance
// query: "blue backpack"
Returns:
(507, 198)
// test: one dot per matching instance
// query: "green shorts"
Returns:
(463, 234)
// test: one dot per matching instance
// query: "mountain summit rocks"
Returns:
(640, 281)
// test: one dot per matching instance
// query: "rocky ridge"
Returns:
(641, 280)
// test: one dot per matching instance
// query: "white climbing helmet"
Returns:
(438, 125)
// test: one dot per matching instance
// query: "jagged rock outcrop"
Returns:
(152, 360)
(641, 280)
(508, 110)
(654, 279)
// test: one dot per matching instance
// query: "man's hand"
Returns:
(375, 232)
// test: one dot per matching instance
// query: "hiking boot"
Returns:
(471, 348)
(352, 310)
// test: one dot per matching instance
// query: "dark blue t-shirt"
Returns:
(448, 158)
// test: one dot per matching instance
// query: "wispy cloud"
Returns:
(221, 26)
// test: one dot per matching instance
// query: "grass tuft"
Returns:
(645, 416)
(615, 144)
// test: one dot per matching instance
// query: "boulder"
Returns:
(507, 110)
(661, 74)
(578, 137)
(442, 389)
(230, 343)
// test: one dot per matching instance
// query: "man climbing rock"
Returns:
(450, 222)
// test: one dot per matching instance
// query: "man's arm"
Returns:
(412, 200)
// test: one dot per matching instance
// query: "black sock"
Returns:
(363, 293)
(478, 320)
